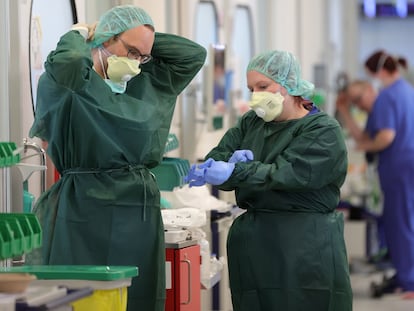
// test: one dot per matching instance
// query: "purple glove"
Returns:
(241, 156)
(195, 176)
(216, 172)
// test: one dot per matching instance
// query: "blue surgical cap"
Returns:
(117, 20)
(283, 68)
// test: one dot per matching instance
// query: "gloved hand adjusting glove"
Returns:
(195, 176)
(241, 156)
(217, 172)
(211, 171)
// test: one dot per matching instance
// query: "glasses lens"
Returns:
(137, 56)
(145, 58)
(133, 54)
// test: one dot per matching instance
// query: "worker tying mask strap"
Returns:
(106, 101)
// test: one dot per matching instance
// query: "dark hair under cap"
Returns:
(381, 60)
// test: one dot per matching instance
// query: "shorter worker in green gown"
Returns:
(286, 161)
(104, 106)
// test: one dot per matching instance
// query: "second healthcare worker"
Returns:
(286, 162)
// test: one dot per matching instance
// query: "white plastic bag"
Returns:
(199, 197)
(183, 217)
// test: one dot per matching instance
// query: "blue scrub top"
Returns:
(394, 109)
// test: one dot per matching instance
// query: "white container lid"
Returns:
(96, 285)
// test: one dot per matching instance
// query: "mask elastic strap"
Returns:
(101, 61)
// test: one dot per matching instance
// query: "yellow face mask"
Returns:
(267, 105)
(122, 69)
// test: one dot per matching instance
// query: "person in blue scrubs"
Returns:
(389, 130)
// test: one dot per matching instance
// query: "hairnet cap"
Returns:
(117, 20)
(283, 68)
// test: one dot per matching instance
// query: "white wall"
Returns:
(4, 65)
(305, 29)
(4, 101)
(299, 26)
(283, 30)
(157, 10)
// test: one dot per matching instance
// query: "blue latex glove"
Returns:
(241, 156)
(216, 172)
(195, 176)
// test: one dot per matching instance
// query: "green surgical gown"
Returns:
(287, 251)
(105, 209)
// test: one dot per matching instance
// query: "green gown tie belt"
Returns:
(80, 170)
(127, 168)
(253, 211)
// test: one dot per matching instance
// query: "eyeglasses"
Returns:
(133, 53)
(357, 99)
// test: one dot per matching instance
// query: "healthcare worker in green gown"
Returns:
(104, 106)
(286, 161)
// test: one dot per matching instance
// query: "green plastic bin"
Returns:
(6, 240)
(20, 232)
(15, 232)
(7, 156)
(108, 282)
(170, 173)
(30, 228)
(25, 227)
(79, 272)
(2, 156)
(36, 230)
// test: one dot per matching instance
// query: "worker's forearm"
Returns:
(382, 140)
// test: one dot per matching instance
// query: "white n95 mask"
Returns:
(267, 105)
(122, 69)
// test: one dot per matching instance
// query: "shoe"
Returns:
(388, 286)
